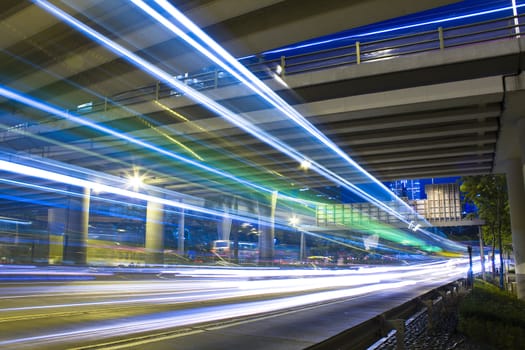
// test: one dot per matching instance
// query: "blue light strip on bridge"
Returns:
(389, 30)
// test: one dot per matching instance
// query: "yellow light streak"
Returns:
(178, 115)
(171, 138)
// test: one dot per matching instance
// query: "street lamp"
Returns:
(135, 181)
(294, 222)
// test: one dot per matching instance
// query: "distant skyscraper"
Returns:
(410, 189)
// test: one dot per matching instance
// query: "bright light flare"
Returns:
(305, 164)
(294, 221)
(135, 180)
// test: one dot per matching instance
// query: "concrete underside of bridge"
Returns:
(510, 159)
(340, 107)
(256, 26)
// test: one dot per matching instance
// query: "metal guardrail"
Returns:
(356, 53)
(376, 332)
(360, 52)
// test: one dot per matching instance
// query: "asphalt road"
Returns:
(202, 308)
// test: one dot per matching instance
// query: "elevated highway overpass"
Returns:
(426, 115)
(430, 114)
(434, 113)
(328, 98)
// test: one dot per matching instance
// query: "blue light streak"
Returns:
(110, 101)
(164, 76)
(255, 84)
(65, 179)
(14, 221)
(13, 95)
(40, 187)
(388, 30)
(59, 191)
(16, 96)
(197, 96)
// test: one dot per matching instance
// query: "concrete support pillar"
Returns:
(515, 169)
(55, 240)
(521, 139)
(76, 229)
(267, 230)
(154, 234)
(40, 249)
(515, 185)
(180, 245)
(302, 247)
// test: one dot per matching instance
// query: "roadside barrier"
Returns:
(396, 327)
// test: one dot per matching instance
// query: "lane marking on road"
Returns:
(122, 344)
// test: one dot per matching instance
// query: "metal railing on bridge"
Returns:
(356, 53)
(392, 47)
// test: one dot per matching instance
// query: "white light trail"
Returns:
(71, 180)
(200, 315)
(387, 30)
(65, 179)
(225, 113)
(348, 283)
(234, 67)
(15, 96)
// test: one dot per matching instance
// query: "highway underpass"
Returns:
(91, 102)
(229, 154)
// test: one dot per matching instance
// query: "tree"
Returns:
(489, 194)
